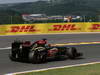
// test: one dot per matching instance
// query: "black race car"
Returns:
(24, 51)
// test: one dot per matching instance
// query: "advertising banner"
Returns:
(93, 27)
(46, 28)
(20, 29)
(65, 27)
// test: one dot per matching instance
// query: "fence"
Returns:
(19, 20)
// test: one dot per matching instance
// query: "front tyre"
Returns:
(72, 53)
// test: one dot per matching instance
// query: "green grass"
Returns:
(79, 70)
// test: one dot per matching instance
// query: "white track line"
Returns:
(53, 68)
(5, 48)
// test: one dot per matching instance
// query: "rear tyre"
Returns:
(14, 54)
(37, 56)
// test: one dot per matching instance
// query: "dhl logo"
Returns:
(64, 27)
(22, 29)
(95, 27)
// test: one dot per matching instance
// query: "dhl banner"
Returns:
(21, 29)
(45, 28)
(65, 27)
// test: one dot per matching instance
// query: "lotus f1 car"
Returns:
(24, 51)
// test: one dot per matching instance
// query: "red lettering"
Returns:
(15, 28)
(32, 29)
(22, 29)
(64, 27)
(95, 26)
(56, 27)
(73, 27)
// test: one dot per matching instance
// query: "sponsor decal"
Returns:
(64, 27)
(25, 28)
(95, 27)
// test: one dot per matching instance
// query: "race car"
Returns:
(24, 51)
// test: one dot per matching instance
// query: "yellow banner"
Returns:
(65, 27)
(45, 28)
(21, 29)
(93, 27)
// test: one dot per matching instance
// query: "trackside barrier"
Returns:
(46, 28)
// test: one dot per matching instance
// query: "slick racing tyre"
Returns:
(14, 55)
(37, 56)
(72, 53)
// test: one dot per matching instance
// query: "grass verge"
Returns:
(93, 69)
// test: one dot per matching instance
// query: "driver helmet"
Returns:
(44, 39)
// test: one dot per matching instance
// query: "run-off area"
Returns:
(91, 53)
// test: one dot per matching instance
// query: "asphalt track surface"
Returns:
(91, 52)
